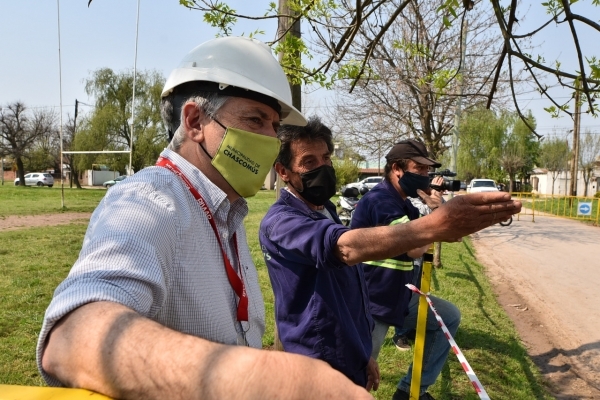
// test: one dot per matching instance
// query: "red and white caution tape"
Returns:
(459, 354)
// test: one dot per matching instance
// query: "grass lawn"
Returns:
(33, 200)
(34, 261)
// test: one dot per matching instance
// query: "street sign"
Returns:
(584, 208)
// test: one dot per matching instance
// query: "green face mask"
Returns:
(244, 159)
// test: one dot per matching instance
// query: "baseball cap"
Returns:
(413, 150)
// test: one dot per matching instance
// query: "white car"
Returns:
(367, 182)
(113, 182)
(482, 185)
(37, 179)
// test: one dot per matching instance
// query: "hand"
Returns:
(432, 198)
(470, 213)
(372, 375)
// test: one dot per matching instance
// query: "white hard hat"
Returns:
(241, 62)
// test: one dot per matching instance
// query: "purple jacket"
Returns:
(320, 303)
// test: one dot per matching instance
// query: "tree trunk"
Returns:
(284, 24)
(20, 171)
(75, 177)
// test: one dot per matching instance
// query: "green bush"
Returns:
(346, 171)
(597, 195)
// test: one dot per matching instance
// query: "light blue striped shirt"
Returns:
(150, 247)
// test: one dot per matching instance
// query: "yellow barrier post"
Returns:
(14, 392)
(597, 210)
(417, 368)
(532, 208)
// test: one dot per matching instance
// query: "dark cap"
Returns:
(413, 150)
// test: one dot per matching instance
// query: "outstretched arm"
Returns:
(453, 220)
(110, 349)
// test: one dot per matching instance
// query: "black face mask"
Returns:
(318, 185)
(410, 182)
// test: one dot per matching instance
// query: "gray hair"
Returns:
(172, 112)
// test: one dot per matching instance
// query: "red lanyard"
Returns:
(237, 284)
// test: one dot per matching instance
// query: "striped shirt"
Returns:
(150, 247)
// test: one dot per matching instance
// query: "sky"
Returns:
(103, 35)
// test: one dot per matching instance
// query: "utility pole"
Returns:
(71, 169)
(457, 112)
(294, 30)
(575, 153)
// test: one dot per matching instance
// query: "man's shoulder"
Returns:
(282, 207)
(380, 193)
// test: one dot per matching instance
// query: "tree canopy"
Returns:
(28, 137)
(589, 153)
(108, 126)
(554, 156)
(334, 28)
(410, 89)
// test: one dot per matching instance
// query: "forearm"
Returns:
(110, 349)
(453, 220)
(379, 243)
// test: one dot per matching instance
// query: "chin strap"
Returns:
(205, 151)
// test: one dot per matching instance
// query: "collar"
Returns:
(212, 194)
(390, 188)
(292, 201)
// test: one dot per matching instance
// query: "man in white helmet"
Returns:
(163, 301)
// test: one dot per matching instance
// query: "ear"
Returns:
(282, 171)
(193, 121)
(396, 170)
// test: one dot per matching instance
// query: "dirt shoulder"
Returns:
(14, 222)
(546, 277)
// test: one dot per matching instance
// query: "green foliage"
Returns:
(346, 171)
(555, 111)
(293, 49)
(554, 155)
(39, 159)
(221, 18)
(597, 195)
(496, 146)
(482, 134)
(108, 127)
(523, 144)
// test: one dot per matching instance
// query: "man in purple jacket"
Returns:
(320, 299)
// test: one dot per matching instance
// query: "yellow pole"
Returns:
(532, 209)
(417, 368)
(597, 210)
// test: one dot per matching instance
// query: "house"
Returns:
(548, 182)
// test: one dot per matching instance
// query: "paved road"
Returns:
(547, 276)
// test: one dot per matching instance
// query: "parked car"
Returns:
(113, 182)
(37, 179)
(369, 182)
(482, 185)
